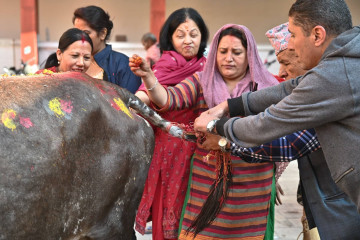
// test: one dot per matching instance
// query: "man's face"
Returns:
(303, 45)
(290, 67)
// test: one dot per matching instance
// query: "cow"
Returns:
(74, 157)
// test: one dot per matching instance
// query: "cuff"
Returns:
(236, 107)
(220, 126)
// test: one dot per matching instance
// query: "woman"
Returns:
(227, 199)
(183, 39)
(73, 53)
(96, 22)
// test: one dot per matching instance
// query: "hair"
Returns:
(235, 33)
(174, 20)
(333, 15)
(96, 17)
(148, 37)
(67, 38)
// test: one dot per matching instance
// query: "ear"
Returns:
(59, 55)
(319, 34)
(102, 34)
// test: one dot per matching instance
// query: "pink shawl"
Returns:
(172, 68)
(214, 87)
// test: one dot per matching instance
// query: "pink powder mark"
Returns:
(26, 122)
(82, 38)
(66, 106)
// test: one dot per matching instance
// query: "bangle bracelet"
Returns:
(156, 83)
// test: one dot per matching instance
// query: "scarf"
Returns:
(214, 87)
(172, 68)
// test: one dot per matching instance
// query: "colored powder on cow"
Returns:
(26, 122)
(66, 106)
(7, 118)
(55, 106)
(122, 106)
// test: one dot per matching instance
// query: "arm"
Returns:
(156, 92)
(306, 107)
(247, 104)
(288, 148)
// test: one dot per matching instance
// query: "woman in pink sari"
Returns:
(183, 40)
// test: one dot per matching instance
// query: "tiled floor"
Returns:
(287, 215)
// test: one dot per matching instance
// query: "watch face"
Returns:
(222, 142)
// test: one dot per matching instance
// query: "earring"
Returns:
(59, 62)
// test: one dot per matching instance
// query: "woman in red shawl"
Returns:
(183, 40)
(227, 197)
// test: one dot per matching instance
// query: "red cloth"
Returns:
(172, 68)
(166, 184)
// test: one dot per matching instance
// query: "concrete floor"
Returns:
(287, 216)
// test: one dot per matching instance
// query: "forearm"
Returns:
(156, 92)
(254, 102)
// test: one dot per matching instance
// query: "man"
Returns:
(327, 97)
(326, 206)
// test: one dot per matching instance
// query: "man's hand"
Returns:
(213, 113)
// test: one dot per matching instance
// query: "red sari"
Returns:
(166, 184)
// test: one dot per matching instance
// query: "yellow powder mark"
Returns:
(55, 106)
(122, 106)
(7, 119)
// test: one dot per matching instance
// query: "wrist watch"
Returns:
(211, 125)
(223, 143)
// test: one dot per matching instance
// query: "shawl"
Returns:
(172, 68)
(214, 87)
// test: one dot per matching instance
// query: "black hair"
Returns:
(67, 38)
(96, 17)
(174, 20)
(236, 33)
(333, 15)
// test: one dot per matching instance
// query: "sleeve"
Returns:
(306, 107)
(284, 149)
(254, 102)
(183, 95)
(130, 80)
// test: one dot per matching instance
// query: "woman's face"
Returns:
(231, 58)
(97, 39)
(186, 39)
(75, 58)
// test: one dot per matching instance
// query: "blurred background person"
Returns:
(152, 48)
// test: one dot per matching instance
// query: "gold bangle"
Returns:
(156, 83)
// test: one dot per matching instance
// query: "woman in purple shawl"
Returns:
(227, 197)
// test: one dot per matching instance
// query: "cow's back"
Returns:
(73, 159)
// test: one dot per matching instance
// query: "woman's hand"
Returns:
(139, 66)
(211, 142)
(213, 113)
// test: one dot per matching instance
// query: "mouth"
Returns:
(78, 70)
